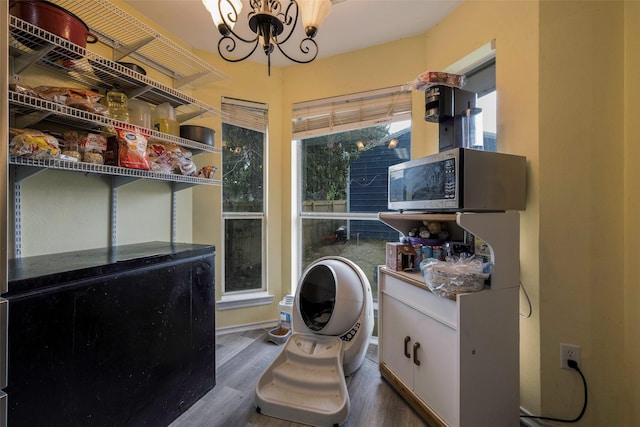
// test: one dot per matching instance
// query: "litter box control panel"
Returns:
(352, 333)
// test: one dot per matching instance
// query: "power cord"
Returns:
(528, 315)
(573, 365)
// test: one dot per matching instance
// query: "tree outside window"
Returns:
(344, 186)
(243, 207)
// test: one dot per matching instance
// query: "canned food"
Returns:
(437, 253)
(427, 252)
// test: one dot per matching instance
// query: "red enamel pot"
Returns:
(54, 19)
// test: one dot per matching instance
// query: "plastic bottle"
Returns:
(286, 310)
(164, 119)
(117, 105)
(139, 113)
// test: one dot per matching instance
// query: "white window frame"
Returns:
(335, 115)
(254, 116)
(481, 66)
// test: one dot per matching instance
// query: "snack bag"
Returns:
(83, 99)
(433, 78)
(160, 154)
(132, 150)
(93, 147)
(33, 143)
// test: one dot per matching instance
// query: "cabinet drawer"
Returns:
(441, 309)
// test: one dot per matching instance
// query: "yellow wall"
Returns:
(248, 81)
(562, 102)
(551, 59)
(582, 287)
(514, 26)
(631, 348)
(557, 107)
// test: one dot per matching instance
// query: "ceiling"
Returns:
(352, 24)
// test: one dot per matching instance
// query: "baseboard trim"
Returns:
(532, 422)
(246, 327)
(243, 300)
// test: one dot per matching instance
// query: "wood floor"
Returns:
(242, 357)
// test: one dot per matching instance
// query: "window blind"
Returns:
(246, 114)
(343, 113)
(482, 79)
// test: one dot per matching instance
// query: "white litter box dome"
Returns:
(332, 323)
(330, 296)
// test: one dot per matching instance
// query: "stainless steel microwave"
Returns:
(459, 180)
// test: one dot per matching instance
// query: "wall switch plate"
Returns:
(569, 351)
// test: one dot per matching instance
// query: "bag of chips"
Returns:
(132, 150)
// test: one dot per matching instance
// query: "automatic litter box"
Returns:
(332, 323)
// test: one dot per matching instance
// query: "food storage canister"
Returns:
(164, 119)
(472, 134)
(139, 113)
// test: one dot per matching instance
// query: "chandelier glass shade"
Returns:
(272, 24)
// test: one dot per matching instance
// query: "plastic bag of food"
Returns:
(93, 147)
(71, 145)
(33, 143)
(132, 150)
(455, 275)
(207, 172)
(93, 143)
(23, 89)
(83, 99)
(183, 165)
(435, 78)
(160, 156)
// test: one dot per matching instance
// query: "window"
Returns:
(482, 80)
(489, 123)
(344, 148)
(243, 144)
(479, 69)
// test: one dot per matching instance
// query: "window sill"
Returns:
(230, 302)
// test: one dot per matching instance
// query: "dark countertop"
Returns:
(30, 273)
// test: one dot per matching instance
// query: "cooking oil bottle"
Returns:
(117, 105)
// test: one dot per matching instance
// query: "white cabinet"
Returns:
(455, 360)
(420, 350)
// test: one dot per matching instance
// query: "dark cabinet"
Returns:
(115, 337)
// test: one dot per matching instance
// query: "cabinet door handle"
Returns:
(416, 346)
(406, 341)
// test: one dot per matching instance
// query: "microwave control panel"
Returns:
(450, 179)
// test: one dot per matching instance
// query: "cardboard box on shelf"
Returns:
(400, 256)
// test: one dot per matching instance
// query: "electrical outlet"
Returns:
(569, 351)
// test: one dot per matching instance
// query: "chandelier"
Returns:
(271, 25)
